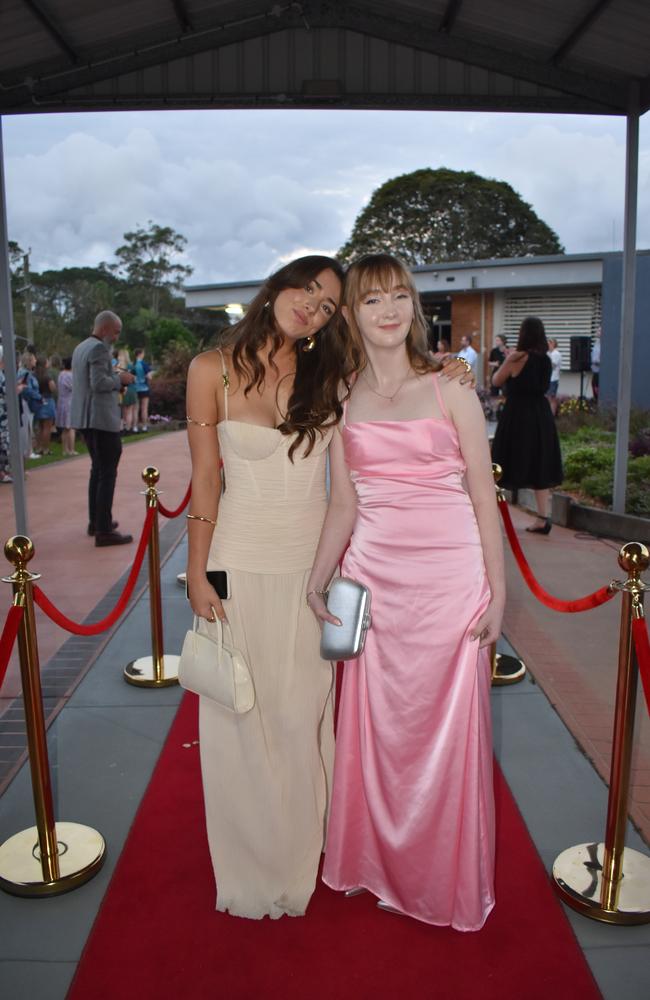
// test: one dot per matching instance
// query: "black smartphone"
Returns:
(219, 579)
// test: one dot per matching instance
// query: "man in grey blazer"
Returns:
(95, 410)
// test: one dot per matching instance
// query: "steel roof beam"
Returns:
(580, 29)
(449, 16)
(53, 31)
(182, 15)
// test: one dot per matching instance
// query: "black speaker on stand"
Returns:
(581, 358)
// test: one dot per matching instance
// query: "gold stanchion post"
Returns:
(611, 882)
(505, 669)
(49, 858)
(157, 670)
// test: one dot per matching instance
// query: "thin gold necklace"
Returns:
(381, 394)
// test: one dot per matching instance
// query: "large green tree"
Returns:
(149, 258)
(431, 216)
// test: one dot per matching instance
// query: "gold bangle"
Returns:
(321, 593)
(197, 517)
(199, 423)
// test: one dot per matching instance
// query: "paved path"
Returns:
(76, 574)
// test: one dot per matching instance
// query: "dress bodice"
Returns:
(271, 512)
(409, 451)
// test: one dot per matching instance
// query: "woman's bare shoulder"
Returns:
(456, 396)
(209, 363)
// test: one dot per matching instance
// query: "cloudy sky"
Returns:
(250, 189)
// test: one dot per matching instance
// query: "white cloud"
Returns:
(251, 189)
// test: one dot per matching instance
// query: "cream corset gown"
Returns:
(266, 774)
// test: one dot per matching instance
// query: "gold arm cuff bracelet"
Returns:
(197, 517)
(199, 423)
(465, 362)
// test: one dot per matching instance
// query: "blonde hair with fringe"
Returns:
(382, 270)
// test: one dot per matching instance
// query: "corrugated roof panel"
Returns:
(619, 40)
(497, 54)
(23, 37)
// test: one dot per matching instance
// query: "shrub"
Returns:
(168, 397)
(640, 443)
(638, 491)
(587, 461)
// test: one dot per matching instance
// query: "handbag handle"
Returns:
(223, 625)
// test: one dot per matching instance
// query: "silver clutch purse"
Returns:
(349, 601)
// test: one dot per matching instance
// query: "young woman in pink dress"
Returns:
(412, 813)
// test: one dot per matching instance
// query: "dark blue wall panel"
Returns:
(611, 327)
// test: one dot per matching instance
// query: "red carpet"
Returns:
(158, 936)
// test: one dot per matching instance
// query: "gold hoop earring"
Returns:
(310, 344)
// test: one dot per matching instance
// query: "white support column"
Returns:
(9, 350)
(626, 349)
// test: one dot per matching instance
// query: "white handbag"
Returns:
(212, 667)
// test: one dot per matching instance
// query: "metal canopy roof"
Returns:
(579, 56)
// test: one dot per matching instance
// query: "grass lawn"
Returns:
(57, 450)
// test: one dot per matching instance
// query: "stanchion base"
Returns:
(578, 877)
(81, 855)
(141, 672)
(508, 670)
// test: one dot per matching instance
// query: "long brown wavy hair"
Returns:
(532, 336)
(382, 270)
(314, 404)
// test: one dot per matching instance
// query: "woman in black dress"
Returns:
(526, 444)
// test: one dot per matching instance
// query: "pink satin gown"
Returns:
(412, 814)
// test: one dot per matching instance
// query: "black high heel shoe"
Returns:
(543, 529)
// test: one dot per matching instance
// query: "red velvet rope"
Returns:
(70, 626)
(642, 647)
(179, 510)
(582, 604)
(8, 637)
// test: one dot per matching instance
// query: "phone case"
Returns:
(219, 579)
(349, 601)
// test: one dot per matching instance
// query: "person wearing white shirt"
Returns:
(556, 363)
(468, 353)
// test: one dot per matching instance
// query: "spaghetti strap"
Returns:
(436, 386)
(226, 382)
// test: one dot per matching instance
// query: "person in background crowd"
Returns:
(5, 467)
(497, 356)
(412, 814)
(95, 410)
(129, 397)
(556, 366)
(63, 408)
(468, 353)
(443, 350)
(30, 400)
(526, 445)
(45, 414)
(143, 376)
(595, 365)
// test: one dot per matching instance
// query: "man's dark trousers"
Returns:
(105, 448)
